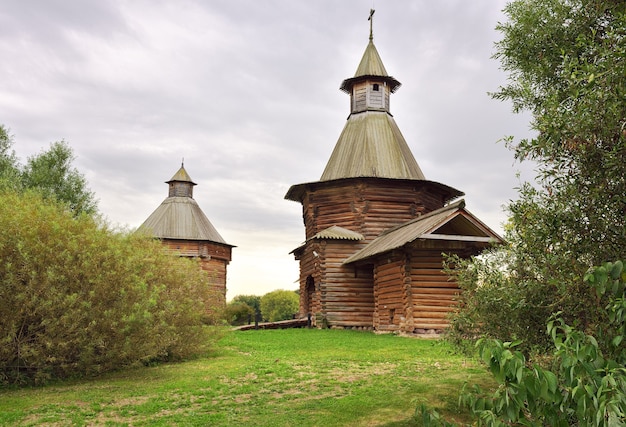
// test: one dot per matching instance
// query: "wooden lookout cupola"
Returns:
(186, 231)
(372, 188)
(181, 184)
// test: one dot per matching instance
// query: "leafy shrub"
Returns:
(494, 303)
(582, 385)
(238, 313)
(279, 305)
(79, 298)
(254, 301)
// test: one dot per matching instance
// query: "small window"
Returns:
(375, 87)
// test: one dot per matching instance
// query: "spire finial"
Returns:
(182, 163)
(371, 19)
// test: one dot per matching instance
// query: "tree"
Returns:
(9, 166)
(254, 301)
(51, 173)
(566, 61)
(585, 386)
(279, 305)
(238, 313)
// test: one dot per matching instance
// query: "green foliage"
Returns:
(566, 61)
(9, 166)
(567, 65)
(279, 305)
(238, 313)
(253, 301)
(428, 417)
(586, 386)
(81, 299)
(50, 172)
(496, 303)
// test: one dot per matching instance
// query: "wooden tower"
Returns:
(186, 231)
(375, 228)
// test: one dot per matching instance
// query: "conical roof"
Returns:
(179, 216)
(371, 145)
(181, 176)
(370, 66)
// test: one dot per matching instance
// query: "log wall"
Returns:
(390, 299)
(213, 259)
(411, 291)
(345, 295)
(342, 295)
(365, 206)
(433, 293)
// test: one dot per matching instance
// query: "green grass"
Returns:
(295, 377)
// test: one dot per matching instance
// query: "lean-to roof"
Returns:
(334, 232)
(451, 222)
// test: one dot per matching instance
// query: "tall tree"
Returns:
(51, 172)
(566, 61)
(9, 166)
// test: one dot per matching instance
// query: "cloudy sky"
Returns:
(247, 92)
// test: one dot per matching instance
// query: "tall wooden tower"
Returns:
(185, 230)
(372, 187)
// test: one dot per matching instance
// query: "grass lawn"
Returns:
(294, 377)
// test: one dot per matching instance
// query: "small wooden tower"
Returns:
(185, 230)
(375, 228)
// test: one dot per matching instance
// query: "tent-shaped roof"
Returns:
(370, 66)
(181, 176)
(371, 145)
(451, 222)
(179, 216)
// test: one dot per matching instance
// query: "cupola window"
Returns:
(375, 87)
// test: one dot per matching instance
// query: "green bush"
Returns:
(254, 301)
(494, 303)
(279, 305)
(238, 313)
(79, 298)
(585, 386)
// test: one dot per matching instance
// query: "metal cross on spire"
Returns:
(371, 19)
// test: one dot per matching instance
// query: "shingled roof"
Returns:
(371, 145)
(370, 66)
(452, 222)
(179, 216)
